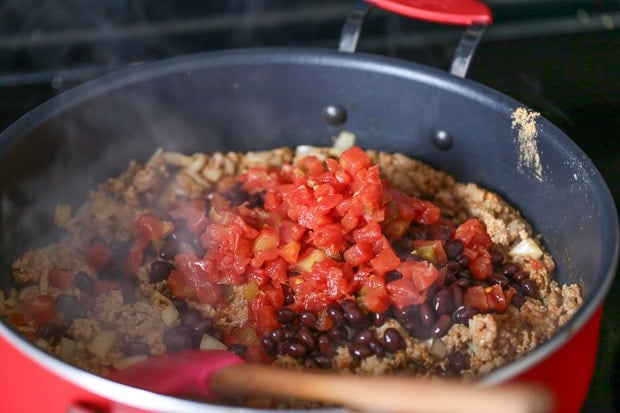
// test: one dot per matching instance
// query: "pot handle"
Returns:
(472, 13)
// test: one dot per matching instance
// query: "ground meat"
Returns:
(29, 267)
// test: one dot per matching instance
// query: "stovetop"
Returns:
(560, 57)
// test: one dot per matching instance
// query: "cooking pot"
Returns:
(266, 98)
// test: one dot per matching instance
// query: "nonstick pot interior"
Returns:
(261, 99)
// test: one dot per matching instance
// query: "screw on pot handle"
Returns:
(470, 13)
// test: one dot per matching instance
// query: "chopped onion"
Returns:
(438, 348)
(101, 345)
(526, 248)
(128, 361)
(66, 348)
(211, 343)
(342, 142)
(167, 310)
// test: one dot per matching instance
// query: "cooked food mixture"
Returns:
(346, 260)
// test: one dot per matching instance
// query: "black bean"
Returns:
(276, 335)
(496, 256)
(338, 334)
(178, 338)
(180, 305)
(49, 331)
(441, 326)
(238, 349)
(285, 315)
(407, 313)
(518, 300)
(311, 364)
(323, 361)
(450, 278)
(305, 337)
(393, 340)
(69, 307)
(462, 282)
(289, 332)
(335, 313)
(325, 345)
(464, 313)
(293, 349)
(509, 269)
(359, 350)
(378, 319)
(529, 288)
(452, 265)
(441, 302)
(519, 275)
(137, 347)
(190, 316)
(457, 296)
(168, 250)
(441, 233)
(454, 248)
(236, 195)
(458, 361)
(393, 276)
(160, 270)
(84, 282)
(256, 200)
(270, 346)
(427, 315)
(463, 261)
(289, 297)
(418, 232)
(376, 347)
(354, 314)
(363, 336)
(199, 328)
(307, 319)
(500, 279)
(416, 330)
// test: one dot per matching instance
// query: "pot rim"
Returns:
(300, 56)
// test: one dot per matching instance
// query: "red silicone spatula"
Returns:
(218, 373)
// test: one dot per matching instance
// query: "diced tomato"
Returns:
(291, 231)
(472, 233)
(370, 233)
(496, 300)
(261, 315)
(134, 258)
(328, 237)
(476, 297)
(431, 250)
(422, 274)
(98, 255)
(276, 270)
(385, 261)
(40, 310)
(177, 285)
(377, 300)
(480, 261)
(61, 279)
(194, 213)
(354, 159)
(492, 298)
(404, 293)
(359, 253)
(154, 228)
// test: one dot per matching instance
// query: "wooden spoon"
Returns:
(219, 373)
